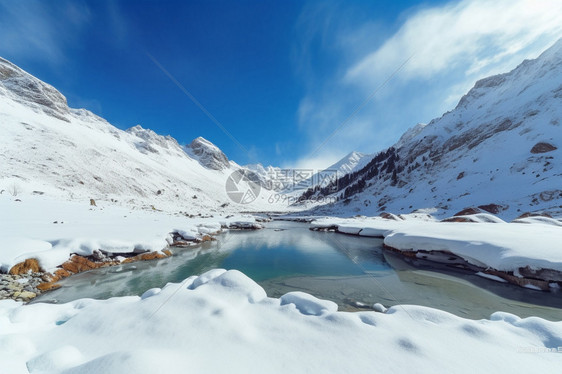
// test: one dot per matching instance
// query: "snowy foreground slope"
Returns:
(501, 145)
(72, 154)
(223, 322)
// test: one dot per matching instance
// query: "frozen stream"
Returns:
(286, 256)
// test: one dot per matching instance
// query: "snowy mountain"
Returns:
(498, 149)
(49, 148)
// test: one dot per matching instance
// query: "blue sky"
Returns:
(280, 76)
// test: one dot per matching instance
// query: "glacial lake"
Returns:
(351, 271)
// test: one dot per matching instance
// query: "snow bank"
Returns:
(539, 219)
(489, 242)
(50, 230)
(12, 247)
(363, 226)
(209, 324)
(478, 218)
(308, 304)
(501, 246)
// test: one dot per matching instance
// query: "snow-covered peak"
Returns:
(208, 154)
(410, 134)
(149, 141)
(554, 52)
(524, 77)
(24, 88)
(351, 162)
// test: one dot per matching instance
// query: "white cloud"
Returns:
(474, 32)
(316, 162)
(452, 45)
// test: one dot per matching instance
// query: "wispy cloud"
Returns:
(40, 30)
(453, 45)
(473, 33)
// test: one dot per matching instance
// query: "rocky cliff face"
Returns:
(30, 91)
(147, 141)
(500, 145)
(208, 154)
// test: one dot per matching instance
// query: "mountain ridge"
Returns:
(49, 148)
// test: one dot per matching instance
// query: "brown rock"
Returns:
(70, 267)
(167, 252)
(457, 219)
(461, 175)
(543, 147)
(180, 243)
(522, 282)
(529, 214)
(412, 254)
(468, 211)
(493, 208)
(61, 273)
(77, 264)
(47, 286)
(550, 275)
(152, 256)
(31, 265)
(147, 256)
(389, 216)
(92, 202)
(87, 264)
(207, 238)
(47, 277)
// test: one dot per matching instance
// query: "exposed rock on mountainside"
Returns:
(26, 89)
(149, 141)
(208, 154)
(543, 148)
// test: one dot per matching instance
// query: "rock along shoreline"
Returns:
(26, 280)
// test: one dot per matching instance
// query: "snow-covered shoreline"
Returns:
(528, 254)
(56, 239)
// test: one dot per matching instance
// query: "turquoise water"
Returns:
(350, 270)
(271, 254)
